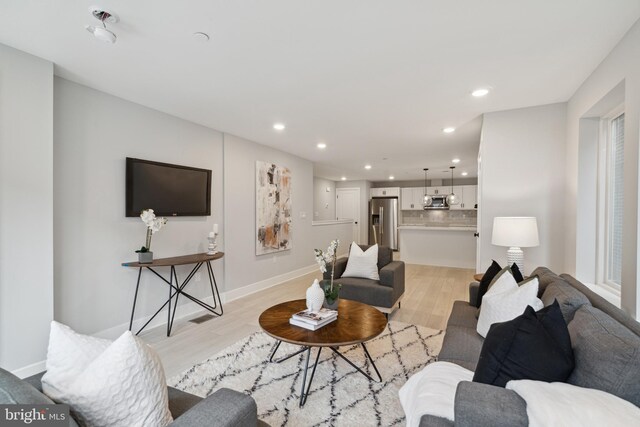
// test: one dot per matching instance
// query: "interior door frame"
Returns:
(358, 220)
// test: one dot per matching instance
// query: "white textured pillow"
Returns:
(567, 405)
(432, 391)
(124, 384)
(505, 301)
(362, 264)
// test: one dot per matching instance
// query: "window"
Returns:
(614, 199)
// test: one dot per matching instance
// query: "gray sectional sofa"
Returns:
(224, 408)
(605, 341)
(384, 294)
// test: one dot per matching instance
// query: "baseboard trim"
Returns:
(29, 370)
(234, 294)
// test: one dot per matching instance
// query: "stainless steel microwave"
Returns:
(438, 202)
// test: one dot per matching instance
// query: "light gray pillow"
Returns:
(607, 354)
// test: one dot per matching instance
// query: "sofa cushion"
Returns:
(461, 346)
(533, 346)
(488, 276)
(463, 314)
(568, 297)
(545, 278)
(607, 354)
(366, 291)
(385, 254)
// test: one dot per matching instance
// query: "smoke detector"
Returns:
(105, 17)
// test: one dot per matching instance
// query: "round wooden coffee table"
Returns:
(356, 324)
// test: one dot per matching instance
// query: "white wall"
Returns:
(324, 202)
(622, 65)
(365, 188)
(93, 133)
(243, 267)
(26, 207)
(523, 160)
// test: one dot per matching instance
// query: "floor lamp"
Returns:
(515, 232)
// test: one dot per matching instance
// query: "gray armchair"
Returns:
(384, 294)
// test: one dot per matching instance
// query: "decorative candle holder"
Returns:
(213, 237)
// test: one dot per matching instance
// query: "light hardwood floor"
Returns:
(429, 295)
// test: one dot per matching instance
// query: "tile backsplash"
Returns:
(436, 217)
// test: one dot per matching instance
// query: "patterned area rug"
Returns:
(340, 395)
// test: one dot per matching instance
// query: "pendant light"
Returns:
(452, 199)
(426, 200)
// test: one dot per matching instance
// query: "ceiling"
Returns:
(377, 81)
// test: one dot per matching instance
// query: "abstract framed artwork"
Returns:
(273, 208)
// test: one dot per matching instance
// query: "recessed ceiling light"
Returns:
(392, 177)
(201, 37)
(464, 174)
(449, 130)
(478, 93)
(344, 178)
(367, 167)
(456, 160)
(321, 145)
(278, 126)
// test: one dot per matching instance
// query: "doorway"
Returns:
(348, 207)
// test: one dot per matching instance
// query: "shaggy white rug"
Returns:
(339, 396)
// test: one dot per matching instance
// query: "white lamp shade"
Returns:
(520, 231)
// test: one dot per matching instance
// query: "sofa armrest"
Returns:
(392, 274)
(474, 287)
(341, 265)
(480, 404)
(224, 408)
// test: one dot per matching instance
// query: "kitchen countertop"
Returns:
(438, 227)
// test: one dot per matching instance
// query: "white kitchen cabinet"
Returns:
(469, 196)
(385, 192)
(406, 199)
(439, 191)
(418, 197)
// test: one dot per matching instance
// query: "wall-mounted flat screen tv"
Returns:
(170, 190)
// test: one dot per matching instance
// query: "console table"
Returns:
(175, 287)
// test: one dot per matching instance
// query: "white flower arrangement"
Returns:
(328, 257)
(154, 224)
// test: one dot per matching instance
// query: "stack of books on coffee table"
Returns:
(313, 320)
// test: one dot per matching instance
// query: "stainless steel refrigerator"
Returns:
(383, 222)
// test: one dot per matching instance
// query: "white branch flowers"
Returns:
(153, 224)
(327, 257)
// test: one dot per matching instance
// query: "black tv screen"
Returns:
(170, 190)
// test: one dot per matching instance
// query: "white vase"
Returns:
(315, 296)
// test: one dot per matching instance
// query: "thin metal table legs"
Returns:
(175, 290)
(306, 387)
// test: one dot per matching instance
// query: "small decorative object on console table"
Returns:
(213, 236)
(315, 297)
(331, 292)
(145, 256)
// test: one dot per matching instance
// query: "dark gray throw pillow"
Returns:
(533, 346)
(607, 354)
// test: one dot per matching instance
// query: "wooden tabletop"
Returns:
(478, 277)
(356, 323)
(176, 260)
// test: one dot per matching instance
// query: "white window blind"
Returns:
(616, 201)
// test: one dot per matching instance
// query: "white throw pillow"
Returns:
(362, 264)
(124, 384)
(567, 405)
(505, 301)
(432, 391)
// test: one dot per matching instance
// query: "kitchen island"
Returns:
(447, 246)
